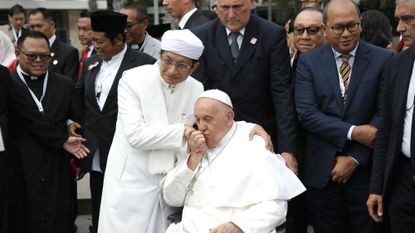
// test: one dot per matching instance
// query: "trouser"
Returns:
(96, 184)
(401, 203)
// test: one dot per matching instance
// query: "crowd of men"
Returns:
(332, 108)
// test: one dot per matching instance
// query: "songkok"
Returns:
(108, 21)
(182, 42)
(217, 95)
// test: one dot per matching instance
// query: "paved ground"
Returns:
(83, 222)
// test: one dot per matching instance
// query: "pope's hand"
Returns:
(197, 148)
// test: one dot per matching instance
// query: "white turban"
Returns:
(182, 42)
(217, 95)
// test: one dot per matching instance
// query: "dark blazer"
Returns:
(196, 19)
(99, 127)
(65, 60)
(326, 119)
(259, 84)
(43, 170)
(389, 138)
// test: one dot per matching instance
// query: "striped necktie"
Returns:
(345, 73)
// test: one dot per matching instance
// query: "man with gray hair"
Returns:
(228, 183)
(392, 192)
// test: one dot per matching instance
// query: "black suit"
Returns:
(65, 59)
(99, 125)
(196, 19)
(391, 171)
(4, 162)
(41, 172)
(259, 83)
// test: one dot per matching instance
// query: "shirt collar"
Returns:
(186, 17)
(117, 57)
(242, 31)
(351, 53)
(52, 40)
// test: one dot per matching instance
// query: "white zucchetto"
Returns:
(217, 95)
(182, 42)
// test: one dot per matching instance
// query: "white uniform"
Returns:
(239, 181)
(147, 141)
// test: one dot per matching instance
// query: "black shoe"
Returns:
(91, 228)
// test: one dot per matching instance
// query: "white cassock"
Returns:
(148, 141)
(239, 181)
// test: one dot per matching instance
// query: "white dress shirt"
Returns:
(103, 84)
(407, 125)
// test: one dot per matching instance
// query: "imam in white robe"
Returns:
(148, 141)
(239, 181)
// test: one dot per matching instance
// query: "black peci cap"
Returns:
(108, 21)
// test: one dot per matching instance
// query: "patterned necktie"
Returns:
(83, 57)
(234, 45)
(345, 73)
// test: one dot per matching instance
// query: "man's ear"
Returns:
(194, 66)
(229, 117)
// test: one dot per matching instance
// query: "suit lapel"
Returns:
(403, 79)
(359, 67)
(329, 67)
(247, 48)
(124, 66)
(90, 83)
(194, 16)
(54, 53)
(222, 45)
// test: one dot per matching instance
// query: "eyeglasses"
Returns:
(34, 56)
(351, 27)
(129, 25)
(310, 30)
(179, 65)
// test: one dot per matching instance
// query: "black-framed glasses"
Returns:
(34, 56)
(179, 65)
(129, 25)
(339, 29)
(310, 30)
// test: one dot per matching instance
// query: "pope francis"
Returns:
(228, 183)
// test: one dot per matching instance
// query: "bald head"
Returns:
(339, 4)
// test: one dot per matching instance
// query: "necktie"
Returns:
(81, 63)
(234, 45)
(345, 73)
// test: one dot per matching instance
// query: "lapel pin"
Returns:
(253, 40)
(90, 67)
(55, 62)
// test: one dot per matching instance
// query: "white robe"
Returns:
(239, 181)
(147, 127)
